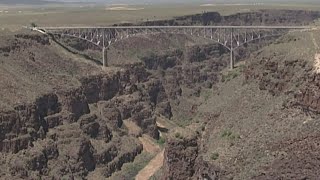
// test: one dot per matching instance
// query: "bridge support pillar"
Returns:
(231, 50)
(104, 57)
(231, 59)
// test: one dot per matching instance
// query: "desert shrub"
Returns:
(33, 24)
(214, 156)
(226, 133)
(178, 135)
(161, 141)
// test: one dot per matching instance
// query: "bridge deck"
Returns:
(178, 27)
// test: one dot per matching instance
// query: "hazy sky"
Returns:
(190, 1)
(156, 1)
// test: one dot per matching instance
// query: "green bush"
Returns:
(178, 135)
(161, 141)
(226, 133)
(231, 74)
(33, 24)
(214, 156)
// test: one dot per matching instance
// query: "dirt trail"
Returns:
(317, 63)
(148, 145)
(154, 165)
(317, 55)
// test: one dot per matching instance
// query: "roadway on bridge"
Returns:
(180, 27)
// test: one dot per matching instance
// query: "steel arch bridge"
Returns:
(231, 37)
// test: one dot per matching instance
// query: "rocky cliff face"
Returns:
(280, 70)
(183, 159)
(294, 77)
(180, 155)
(43, 132)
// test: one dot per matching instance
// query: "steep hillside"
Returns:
(32, 65)
(262, 123)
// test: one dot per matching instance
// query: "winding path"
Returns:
(154, 165)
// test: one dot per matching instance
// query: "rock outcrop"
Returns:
(80, 139)
(183, 159)
(180, 155)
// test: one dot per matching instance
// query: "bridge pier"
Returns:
(231, 50)
(104, 57)
(231, 59)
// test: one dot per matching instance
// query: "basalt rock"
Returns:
(308, 97)
(98, 88)
(163, 62)
(107, 155)
(54, 120)
(129, 149)
(180, 155)
(75, 102)
(16, 144)
(81, 153)
(111, 115)
(89, 126)
(164, 109)
(28, 163)
(104, 132)
(201, 53)
(147, 122)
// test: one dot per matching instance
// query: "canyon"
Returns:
(64, 117)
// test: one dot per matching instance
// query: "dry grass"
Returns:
(32, 69)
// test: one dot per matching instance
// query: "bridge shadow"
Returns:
(96, 61)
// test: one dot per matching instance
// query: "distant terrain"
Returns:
(14, 17)
(133, 2)
(31, 2)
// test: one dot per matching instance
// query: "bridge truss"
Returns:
(231, 37)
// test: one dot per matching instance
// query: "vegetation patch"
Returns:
(130, 170)
(231, 74)
(226, 133)
(178, 135)
(229, 135)
(161, 141)
(214, 156)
